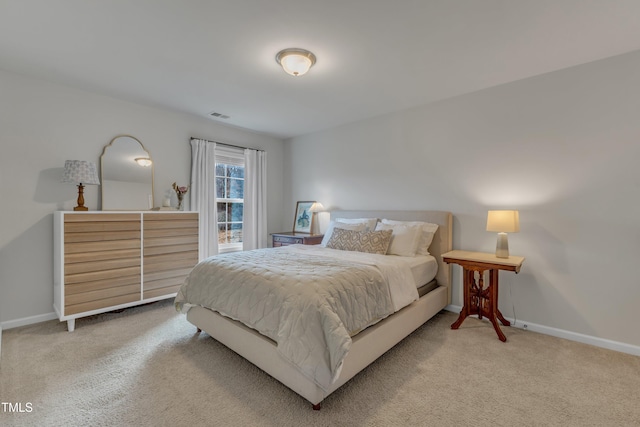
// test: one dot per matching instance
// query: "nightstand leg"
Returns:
(501, 335)
(463, 315)
(493, 281)
(481, 301)
(467, 284)
(504, 321)
(494, 312)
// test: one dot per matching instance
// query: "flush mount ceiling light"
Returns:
(295, 61)
(143, 161)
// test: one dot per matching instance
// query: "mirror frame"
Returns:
(104, 151)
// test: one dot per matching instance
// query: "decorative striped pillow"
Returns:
(373, 242)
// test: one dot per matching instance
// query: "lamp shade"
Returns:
(316, 207)
(80, 172)
(503, 221)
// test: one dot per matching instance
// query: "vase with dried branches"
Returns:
(180, 192)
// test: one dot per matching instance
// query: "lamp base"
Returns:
(81, 206)
(502, 246)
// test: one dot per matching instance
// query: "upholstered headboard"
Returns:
(442, 241)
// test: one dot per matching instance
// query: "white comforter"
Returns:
(310, 300)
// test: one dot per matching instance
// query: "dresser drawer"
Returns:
(287, 240)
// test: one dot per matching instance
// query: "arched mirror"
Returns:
(127, 175)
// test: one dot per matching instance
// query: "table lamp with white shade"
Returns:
(503, 222)
(80, 172)
(315, 209)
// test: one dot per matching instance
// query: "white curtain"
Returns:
(254, 227)
(203, 194)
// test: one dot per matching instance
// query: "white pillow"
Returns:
(428, 231)
(369, 223)
(404, 240)
(334, 224)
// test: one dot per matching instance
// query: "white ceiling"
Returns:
(374, 56)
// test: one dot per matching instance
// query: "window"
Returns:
(230, 200)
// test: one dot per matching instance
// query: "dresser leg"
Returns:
(71, 325)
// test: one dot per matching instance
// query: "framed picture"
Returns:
(303, 222)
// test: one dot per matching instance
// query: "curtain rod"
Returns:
(228, 145)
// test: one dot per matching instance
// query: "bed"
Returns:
(365, 341)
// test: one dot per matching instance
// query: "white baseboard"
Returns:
(9, 324)
(561, 333)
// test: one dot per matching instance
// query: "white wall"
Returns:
(41, 126)
(563, 148)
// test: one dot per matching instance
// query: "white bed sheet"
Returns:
(423, 268)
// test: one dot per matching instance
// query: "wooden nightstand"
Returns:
(290, 238)
(478, 299)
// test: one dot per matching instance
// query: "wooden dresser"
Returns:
(105, 261)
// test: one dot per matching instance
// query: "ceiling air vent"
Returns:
(218, 115)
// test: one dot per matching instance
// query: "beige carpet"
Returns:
(146, 366)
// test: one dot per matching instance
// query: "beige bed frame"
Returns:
(368, 345)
